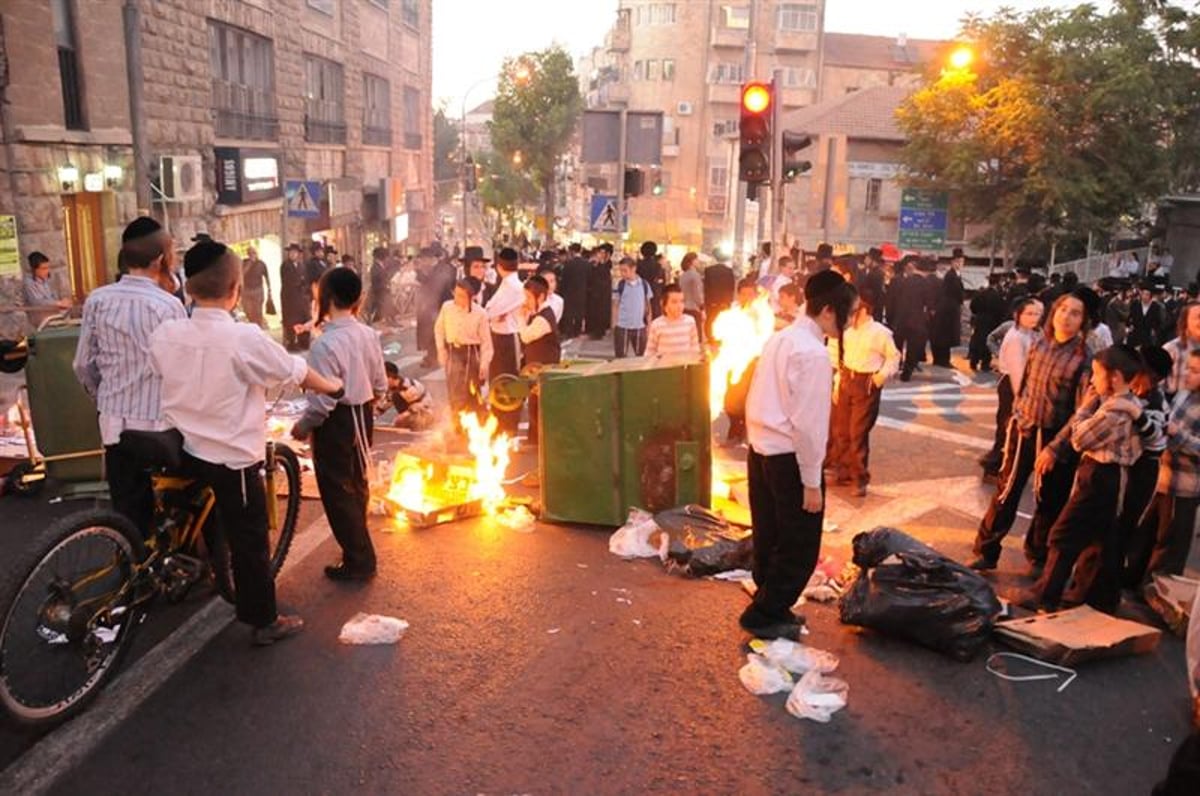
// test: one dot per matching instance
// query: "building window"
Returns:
(874, 191)
(727, 73)
(410, 12)
(801, 17)
(412, 118)
(639, 70)
(718, 175)
(377, 111)
(668, 69)
(324, 6)
(736, 17)
(243, 83)
(798, 77)
(725, 127)
(654, 69)
(655, 14)
(68, 65)
(324, 101)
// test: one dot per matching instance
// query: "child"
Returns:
(410, 399)
(673, 333)
(341, 430)
(633, 311)
(215, 373)
(539, 340)
(789, 305)
(1010, 359)
(1102, 432)
(1187, 340)
(869, 358)
(1178, 493)
(464, 349)
(554, 300)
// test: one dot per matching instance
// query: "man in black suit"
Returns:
(599, 293)
(1146, 318)
(651, 270)
(295, 301)
(719, 287)
(574, 290)
(946, 329)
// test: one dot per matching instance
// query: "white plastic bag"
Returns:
(518, 518)
(817, 697)
(372, 629)
(762, 677)
(632, 540)
(796, 658)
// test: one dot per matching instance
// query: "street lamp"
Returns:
(961, 58)
(516, 158)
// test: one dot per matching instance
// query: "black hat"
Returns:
(875, 253)
(824, 250)
(294, 247)
(957, 253)
(1091, 301)
(649, 249)
(474, 254)
(1156, 360)
(926, 265)
(821, 283)
(428, 251)
(204, 255)
(140, 227)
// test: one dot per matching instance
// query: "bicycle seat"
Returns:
(163, 449)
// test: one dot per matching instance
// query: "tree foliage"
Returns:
(502, 188)
(537, 109)
(445, 154)
(1067, 121)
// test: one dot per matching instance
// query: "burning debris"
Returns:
(741, 332)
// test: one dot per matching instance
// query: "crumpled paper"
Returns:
(366, 628)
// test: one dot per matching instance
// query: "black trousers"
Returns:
(1174, 519)
(1021, 449)
(1087, 519)
(853, 417)
(1137, 524)
(912, 341)
(626, 340)
(1004, 394)
(241, 506)
(463, 380)
(572, 320)
(787, 539)
(941, 354)
(504, 361)
(129, 487)
(340, 448)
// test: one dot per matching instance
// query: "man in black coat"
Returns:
(988, 310)
(908, 312)
(946, 330)
(873, 281)
(574, 290)
(1146, 318)
(295, 302)
(599, 293)
(719, 287)
(651, 270)
(436, 278)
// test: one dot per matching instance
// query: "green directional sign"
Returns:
(923, 217)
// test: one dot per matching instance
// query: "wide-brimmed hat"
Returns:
(474, 254)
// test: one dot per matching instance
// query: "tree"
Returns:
(445, 155)
(502, 188)
(537, 108)
(1058, 128)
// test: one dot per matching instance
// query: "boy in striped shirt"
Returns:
(674, 333)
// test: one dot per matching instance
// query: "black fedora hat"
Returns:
(474, 254)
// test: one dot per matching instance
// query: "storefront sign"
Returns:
(879, 171)
(10, 253)
(246, 175)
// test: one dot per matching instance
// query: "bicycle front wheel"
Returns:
(69, 617)
(283, 486)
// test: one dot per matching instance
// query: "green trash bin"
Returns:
(65, 422)
(614, 435)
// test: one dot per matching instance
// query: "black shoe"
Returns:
(982, 564)
(341, 572)
(906, 375)
(789, 630)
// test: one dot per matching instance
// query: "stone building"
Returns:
(238, 98)
(853, 61)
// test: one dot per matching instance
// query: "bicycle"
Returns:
(75, 600)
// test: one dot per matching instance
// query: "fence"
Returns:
(1090, 269)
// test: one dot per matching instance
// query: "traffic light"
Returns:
(793, 143)
(635, 182)
(754, 162)
(657, 189)
(469, 178)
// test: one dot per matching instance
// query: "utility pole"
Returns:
(776, 203)
(739, 195)
(132, 17)
(621, 181)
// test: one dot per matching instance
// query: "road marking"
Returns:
(973, 397)
(57, 753)
(957, 410)
(936, 433)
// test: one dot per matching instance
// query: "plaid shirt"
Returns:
(1103, 430)
(1053, 385)
(1179, 468)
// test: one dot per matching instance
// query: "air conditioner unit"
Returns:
(182, 180)
(684, 109)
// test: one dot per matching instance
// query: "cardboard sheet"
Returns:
(1076, 635)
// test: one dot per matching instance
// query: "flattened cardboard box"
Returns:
(1077, 635)
(1171, 596)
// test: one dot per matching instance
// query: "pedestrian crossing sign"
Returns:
(604, 214)
(303, 198)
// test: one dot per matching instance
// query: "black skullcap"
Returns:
(821, 283)
(508, 255)
(649, 249)
(202, 256)
(140, 227)
(824, 250)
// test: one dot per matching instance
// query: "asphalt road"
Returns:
(526, 671)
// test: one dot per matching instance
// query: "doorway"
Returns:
(83, 227)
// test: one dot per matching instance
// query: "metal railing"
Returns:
(242, 112)
(317, 132)
(1091, 269)
(377, 136)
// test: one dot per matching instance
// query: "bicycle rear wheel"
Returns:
(69, 616)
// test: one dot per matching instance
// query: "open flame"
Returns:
(741, 332)
(409, 478)
(491, 460)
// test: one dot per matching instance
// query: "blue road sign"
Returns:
(303, 198)
(923, 219)
(604, 214)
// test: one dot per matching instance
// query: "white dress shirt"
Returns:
(1014, 350)
(215, 373)
(869, 349)
(504, 305)
(776, 283)
(555, 302)
(787, 409)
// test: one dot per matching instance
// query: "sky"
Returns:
(472, 37)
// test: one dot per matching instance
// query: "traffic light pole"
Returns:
(621, 155)
(739, 196)
(776, 204)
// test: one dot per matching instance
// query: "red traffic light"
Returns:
(756, 97)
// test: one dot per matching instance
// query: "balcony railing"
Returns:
(242, 112)
(377, 136)
(729, 37)
(316, 132)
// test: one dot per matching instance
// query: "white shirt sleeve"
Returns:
(891, 354)
(265, 363)
(534, 330)
(1012, 358)
(810, 396)
(508, 299)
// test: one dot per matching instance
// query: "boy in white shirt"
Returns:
(553, 300)
(673, 333)
(215, 373)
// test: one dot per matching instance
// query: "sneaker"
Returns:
(982, 564)
(284, 625)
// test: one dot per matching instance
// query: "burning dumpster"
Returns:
(632, 432)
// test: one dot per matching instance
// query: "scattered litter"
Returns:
(1022, 678)
(618, 590)
(582, 566)
(762, 677)
(830, 527)
(625, 600)
(553, 630)
(821, 588)
(1171, 597)
(637, 622)
(796, 658)
(734, 574)
(632, 540)
(818, 697)
(517, 518)
(702, 543)
(593, 594)
(910, 590)
(391, 349)
(372, 629)
(1076, 635)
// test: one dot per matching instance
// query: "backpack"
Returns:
(645, 289)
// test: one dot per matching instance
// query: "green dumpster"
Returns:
(614, 435)
(64, 417)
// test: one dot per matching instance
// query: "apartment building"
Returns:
(237, 98)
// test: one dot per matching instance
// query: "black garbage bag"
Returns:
(910, 590)
(702, 543)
